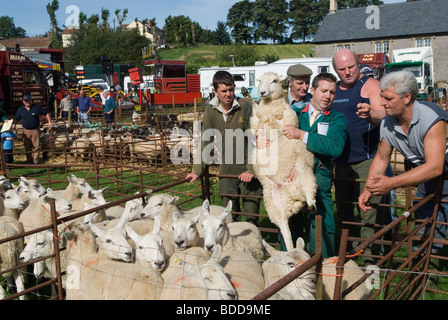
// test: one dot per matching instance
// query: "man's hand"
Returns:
(363, 200)
(246, 176)
(293, 132)
(262, 142)
(364, 111)
(378, 184)
(192, 176)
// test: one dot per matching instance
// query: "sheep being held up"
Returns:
(284, 166)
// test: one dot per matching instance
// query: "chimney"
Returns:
(333, 6)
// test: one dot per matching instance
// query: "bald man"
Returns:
(358, 97)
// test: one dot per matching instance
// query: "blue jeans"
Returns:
(426, 212)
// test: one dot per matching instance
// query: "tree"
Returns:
(121, 18)
(105, 14)
(9, 30)
(222, 37)
(306, 16)
(270, 19)
(51, 10)
(240, 19)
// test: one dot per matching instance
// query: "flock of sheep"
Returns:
(145, 251)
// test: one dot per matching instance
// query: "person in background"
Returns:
(358, 99)
(299, 83)
(324, 132)
(7, 136)
(225, 114)
(29, 114)
(109, 107)
(419, 131)
(66, 106)
(85, 105)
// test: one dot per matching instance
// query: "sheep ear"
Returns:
(206, 208)
(71, 179)
(272, 252)
(216, 254)
(300, 243)
(156, 226)
(104, 190)
(132, 234)
(176, 216)
(227, 211)
(195, 219)
(14, 187)
(174, 200)
(96, 231)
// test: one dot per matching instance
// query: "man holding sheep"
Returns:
(324, 131)
(226, 115)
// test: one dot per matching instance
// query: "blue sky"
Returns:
(33, 17)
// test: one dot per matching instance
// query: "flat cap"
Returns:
(299, 70)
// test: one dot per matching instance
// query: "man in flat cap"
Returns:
(299, 83)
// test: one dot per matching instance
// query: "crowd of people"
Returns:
(351, 124)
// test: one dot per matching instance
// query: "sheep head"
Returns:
(185, 232)
(215, 227)
(271, 86)
(149, 248)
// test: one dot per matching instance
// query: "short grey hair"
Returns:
(106, 91)
(402, 82)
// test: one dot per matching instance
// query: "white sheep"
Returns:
(283, 262)
(165, 205)
(9, 254)
(30, 188)
(244, 272)
(12, 203)
(235, 236)
(285, 168)
(162, 205)
(38, 212)
(75, 188)
(95, 277)
(91, 197)
(187, 277)
(153, 248)
(280, 263)
(185, 231)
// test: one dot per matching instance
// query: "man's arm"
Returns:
(374, 112)
(377, 169)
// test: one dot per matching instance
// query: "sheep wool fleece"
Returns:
(326, 147)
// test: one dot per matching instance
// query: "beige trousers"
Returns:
(31, 139)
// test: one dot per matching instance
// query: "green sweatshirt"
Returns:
(236, 124)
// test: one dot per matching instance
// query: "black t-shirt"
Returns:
(30, 118)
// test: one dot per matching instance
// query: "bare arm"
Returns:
(374, 112)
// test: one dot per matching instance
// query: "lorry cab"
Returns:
(19, 76)
(420, 62)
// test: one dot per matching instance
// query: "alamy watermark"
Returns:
(373, 21)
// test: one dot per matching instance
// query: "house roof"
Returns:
(27, 43)
(413, 18)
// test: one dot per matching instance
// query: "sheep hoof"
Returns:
(244, 92)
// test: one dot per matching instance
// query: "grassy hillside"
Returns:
(208, 55)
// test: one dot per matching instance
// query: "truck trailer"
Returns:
(20, 76)
(420, 62)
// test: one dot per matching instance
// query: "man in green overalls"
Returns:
(324, 131)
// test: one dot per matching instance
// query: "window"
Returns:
(382, 47)
(422, 42)
(323, 69)
(343, 46)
